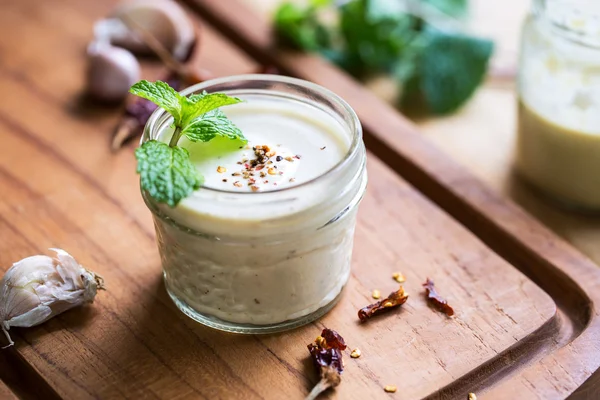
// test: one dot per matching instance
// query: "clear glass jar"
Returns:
(558, 145)
(261, 262)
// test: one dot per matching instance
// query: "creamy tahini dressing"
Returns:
(305, 148)
(239, 266)
(558, 146)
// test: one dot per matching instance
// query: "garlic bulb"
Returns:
(111, 71)
(165, 20)
(37, 288)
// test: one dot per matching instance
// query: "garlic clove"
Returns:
(33, 317)
(113, 30)
(163, 19)
(111, 71)
(39, 287)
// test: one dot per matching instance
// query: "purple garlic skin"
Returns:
(111, 71)
(37, 288)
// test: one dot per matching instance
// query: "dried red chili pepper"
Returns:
(394, 300)
(326, 352)
(435, 299)
(333, 339)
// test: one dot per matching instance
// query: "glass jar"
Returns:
(261, 262)
(558, 145)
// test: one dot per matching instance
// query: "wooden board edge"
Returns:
(21, 378)
(569, 277)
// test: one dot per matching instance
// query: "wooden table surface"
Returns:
(521, 324)
(481, 135)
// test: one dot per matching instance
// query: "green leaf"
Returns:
(375, 35)
(162, 95)
(199, 104)
(453, 65)
(454, 8)
(166, 173)
(320, 3)
(212, 124)
(383, 9)
(301, 27)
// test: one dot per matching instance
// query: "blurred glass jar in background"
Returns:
(558, 145)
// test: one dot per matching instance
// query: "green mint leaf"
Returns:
(194, 98)
(166, 172)
(161, 94)
(212, 124)
(199, 104)
(375, 35)
(453, 65)
(301, 26)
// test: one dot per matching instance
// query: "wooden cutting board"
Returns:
(526, 323)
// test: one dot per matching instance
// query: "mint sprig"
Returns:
(212, 124)
(166, 172)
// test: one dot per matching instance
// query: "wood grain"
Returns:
(6, 393)
(133, 335)
(62, 187)
(481, 135)
(551, 263)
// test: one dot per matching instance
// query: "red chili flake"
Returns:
(326, 352)
(394, 300)
(259, 167)
(246, 165)
(297, 156)
(435, 299)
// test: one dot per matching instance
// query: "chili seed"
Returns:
(390, 388)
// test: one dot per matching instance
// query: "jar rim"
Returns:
(550, 12)
(156, 118)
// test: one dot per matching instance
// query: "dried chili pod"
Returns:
(394, 300)
(436, 300)
(333, 339)
(326, 352)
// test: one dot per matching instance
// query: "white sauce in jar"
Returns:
(558, 147)
(271, 257)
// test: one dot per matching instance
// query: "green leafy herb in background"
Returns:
(166, 171)
(418, 42)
